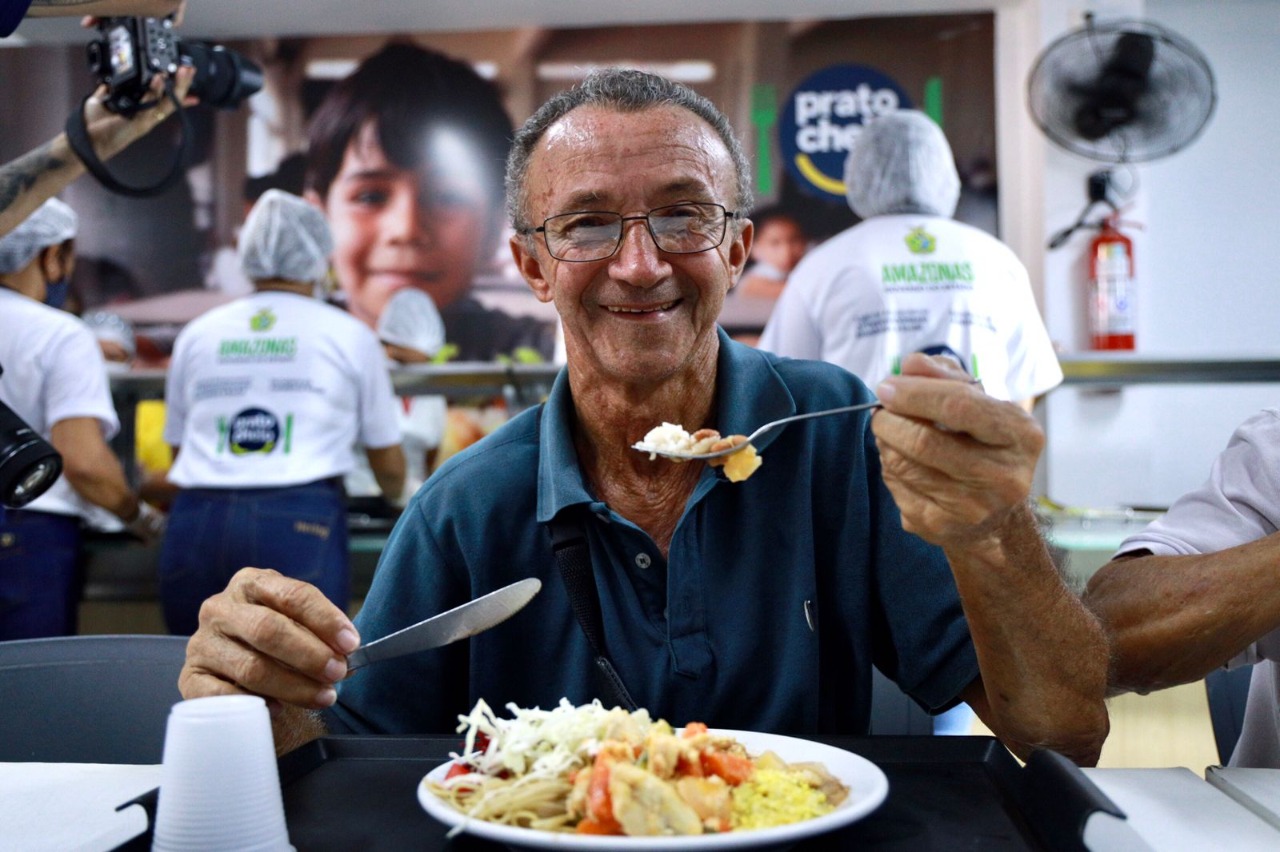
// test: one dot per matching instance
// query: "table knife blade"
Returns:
(458, 623)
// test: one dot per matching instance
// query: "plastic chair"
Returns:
(1228, 691)
(88, 699)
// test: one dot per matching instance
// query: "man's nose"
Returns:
(638, 258)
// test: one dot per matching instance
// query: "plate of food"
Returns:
(592, 778)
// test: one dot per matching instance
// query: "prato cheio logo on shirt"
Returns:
(254, 431)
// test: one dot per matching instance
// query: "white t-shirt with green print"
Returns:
(275, 389)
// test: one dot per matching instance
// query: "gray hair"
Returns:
(624, 90)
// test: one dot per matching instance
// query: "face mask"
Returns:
(55, 293)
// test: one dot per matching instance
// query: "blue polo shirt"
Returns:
(716, 632)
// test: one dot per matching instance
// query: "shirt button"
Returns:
(643, 561)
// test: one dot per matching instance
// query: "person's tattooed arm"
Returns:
(26, 182)
(40, 174)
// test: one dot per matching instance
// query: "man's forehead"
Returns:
(693, 157)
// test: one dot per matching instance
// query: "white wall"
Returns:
(1208, 269)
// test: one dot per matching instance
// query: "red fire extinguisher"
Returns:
(1112, 310)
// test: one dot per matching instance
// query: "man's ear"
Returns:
(740, 249)
(530, 266)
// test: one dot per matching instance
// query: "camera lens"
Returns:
(223, 77)
(28, 465)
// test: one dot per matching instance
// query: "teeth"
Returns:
(661, 307)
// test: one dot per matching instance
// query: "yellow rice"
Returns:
(776, 797)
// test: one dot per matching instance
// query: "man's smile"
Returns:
(651, 309)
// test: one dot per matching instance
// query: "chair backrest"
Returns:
(88, 699)
(1228, 691)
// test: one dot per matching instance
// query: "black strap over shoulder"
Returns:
(82, 145)
(569, 543)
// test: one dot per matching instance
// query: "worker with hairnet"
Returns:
(54, 380)
(909, 278)
(267, 398)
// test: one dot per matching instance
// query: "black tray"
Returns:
(346, 793)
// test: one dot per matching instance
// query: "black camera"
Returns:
(28, 464)
(129, 52)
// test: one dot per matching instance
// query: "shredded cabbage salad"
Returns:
(540, 743)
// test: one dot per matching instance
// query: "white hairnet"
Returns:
(901, 163)
(53, 223)
(410, 319)
(284, 237)
(113, 327)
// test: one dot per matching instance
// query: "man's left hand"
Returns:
(956, 461)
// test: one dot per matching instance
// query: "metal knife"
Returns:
(458, 623)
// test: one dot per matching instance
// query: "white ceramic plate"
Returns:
(867, 789)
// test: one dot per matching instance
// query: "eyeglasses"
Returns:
(587, 235)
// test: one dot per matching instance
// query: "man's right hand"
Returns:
(269, 635)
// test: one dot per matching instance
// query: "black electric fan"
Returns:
(1120, 92)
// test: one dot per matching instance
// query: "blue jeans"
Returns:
(300, 531)
(39, 574)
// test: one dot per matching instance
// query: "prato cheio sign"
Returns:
(822, 117)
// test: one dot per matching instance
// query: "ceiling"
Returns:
(243, 19)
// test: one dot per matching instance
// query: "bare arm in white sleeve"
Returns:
(1199, 585)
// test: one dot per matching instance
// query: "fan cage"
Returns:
(1177, 104)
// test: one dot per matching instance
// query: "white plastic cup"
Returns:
(219, 786)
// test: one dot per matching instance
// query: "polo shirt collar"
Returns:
(749, 390)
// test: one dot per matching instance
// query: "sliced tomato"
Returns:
(733, 769)
(456, 770)
(693, 729)
(590, 826)
(460, 769)
(686, 767)
(599, 803)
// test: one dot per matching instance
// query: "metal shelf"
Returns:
(460, 379)
(1125, 368)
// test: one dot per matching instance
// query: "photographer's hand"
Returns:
(33, 178)
(112, 133)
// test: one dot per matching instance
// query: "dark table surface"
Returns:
(346, 793)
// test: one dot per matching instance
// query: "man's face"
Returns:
(642, 314)
(779, 243)
(395, 227)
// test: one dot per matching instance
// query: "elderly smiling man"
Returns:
(901, 538)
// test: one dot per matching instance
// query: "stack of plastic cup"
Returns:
(219, 787)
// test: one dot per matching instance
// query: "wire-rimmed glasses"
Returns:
(586, 235)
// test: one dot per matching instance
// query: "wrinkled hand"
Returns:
(269, 635)
(150, 523)
(957, 462)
